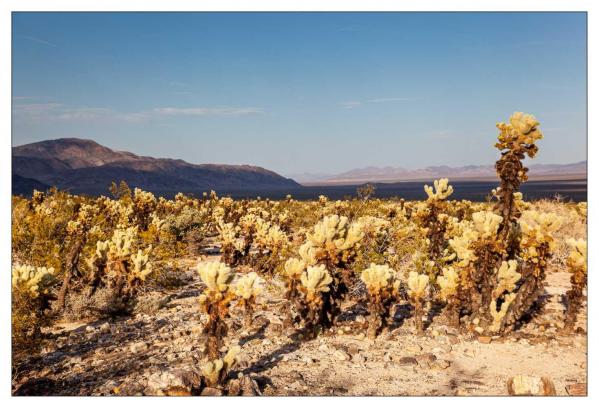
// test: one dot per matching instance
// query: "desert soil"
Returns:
(148, 354)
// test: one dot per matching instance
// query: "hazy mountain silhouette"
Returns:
(84, 166)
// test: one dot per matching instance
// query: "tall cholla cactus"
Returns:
(449, 284)
(577, 263)
(216, 371)
(383, 288)
(433, 219)
(516, 140)
(417, 288)
(507, 277)
(247, 288)
(215, 303)
(314, 286)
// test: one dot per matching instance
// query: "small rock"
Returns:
(484, 339)
(413, 348)
(104, 328)
(408, 361)
(341, 355)
(577, 389)
(525, 385)
(353, 349)
(211, 392)
(426, 359)
(387, 357)
(138, 347)
(440, 365)
(90, 329)
(360, 319)
(479, 329)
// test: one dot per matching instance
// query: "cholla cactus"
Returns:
(31, 294)
(486, 224)
(334, 242)
(449, 284)
(499, 315)
(507, 277)
(442, 190)
(383, 288)
(144, 204)
(215, 303)
(577, 263)
(314, 286)
(247, 288)
(291, 274)
(125, 269)
(142, 266)
(233, 247)
(34, 280)
(477, 253)
(433, 219)
(417, 287)
(515, 141)
(215, 371)
(77, 233)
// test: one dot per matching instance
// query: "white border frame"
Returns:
(7, 6)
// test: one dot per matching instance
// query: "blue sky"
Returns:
(301, 92)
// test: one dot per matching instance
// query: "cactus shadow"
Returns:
(259, 334)
(83, 347)
(401, 313)
(271, 359)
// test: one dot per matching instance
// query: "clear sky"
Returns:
(301, 92)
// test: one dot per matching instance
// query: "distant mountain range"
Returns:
(84, 166)
(395, 174)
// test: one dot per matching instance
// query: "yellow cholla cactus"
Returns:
(248, 286)
(442, 190)
(293, 268)
(448, 282)
(507, 277)
(33, 279)
(378, 278)
(538, 228)
(315, 279)
(522, 130)
(212, 369)
(462, 246)
(120, 244)
(577, 259)
(142, 267)
(335, 230)
(486, 223)
(217, 276)
(417, 284)
(308, 254)
(498, 315)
